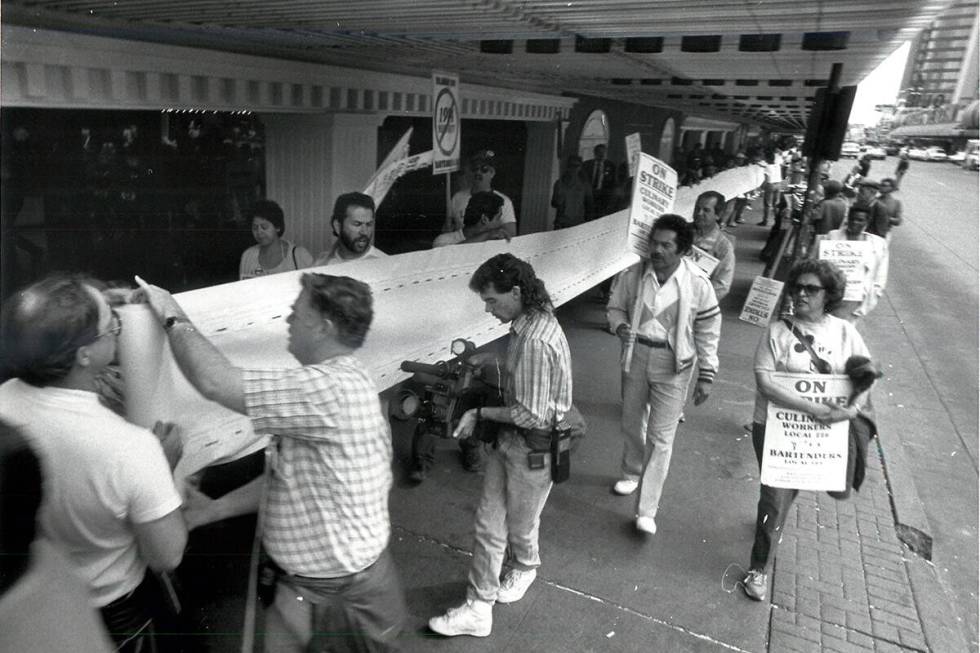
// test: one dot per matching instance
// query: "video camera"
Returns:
(438, 394)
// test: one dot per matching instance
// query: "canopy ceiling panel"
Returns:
(677, 54)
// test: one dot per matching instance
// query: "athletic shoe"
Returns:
(515, 585)
(625, 486)
(755, 585)
(472, 618)
(646, 525)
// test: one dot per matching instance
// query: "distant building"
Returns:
(942, 64)
(938, 100)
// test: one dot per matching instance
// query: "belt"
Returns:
(656, 344)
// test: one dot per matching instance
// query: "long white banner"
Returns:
(421, 301)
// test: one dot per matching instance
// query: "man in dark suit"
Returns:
(600, 174)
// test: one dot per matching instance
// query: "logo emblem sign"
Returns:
(445, 123)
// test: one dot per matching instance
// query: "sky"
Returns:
(881, 86)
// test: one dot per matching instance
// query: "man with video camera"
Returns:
(519, 469)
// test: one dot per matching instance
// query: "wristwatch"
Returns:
(173, 321)
(479, 414)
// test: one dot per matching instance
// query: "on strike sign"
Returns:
(653, 195)
(801, 452)
(445, 123)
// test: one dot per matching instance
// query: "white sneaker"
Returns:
(472, 618)
(646, 525)
(515, 585)
(626, 486)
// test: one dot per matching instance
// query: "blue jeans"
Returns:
(361, 612)
(509, 515)
(653, 401)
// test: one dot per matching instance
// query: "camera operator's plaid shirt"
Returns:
(327, 499)
(539, 371)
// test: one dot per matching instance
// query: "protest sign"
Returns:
(850, 256)
(653, 195)
(384, 178)
(761, 301)
(800, 452)
(703, 259)
(446, 111)
(633, 149)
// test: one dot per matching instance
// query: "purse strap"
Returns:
(822, 366)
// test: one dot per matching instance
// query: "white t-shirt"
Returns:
(293, 258)
(332, 256)
(101, 474)
(834, 340)
(462, 198)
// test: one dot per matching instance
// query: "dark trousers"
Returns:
(129, 619)
(775, 502)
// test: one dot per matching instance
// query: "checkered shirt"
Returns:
(539, 371)
(327, 500)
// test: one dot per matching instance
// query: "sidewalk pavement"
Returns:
(842, 579)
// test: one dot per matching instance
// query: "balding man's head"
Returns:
(45, 325)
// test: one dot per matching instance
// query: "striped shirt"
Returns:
(327, 498)
(539, 371)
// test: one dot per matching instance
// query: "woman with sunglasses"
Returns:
(816, 289)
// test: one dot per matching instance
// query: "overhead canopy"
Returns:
(731, 60)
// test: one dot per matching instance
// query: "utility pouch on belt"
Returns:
(557, 442)
(561, 459)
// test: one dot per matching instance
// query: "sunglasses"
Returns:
(808, 288)
(483, 169)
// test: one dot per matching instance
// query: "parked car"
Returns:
(918, 154)
(936, 153)
(875, 152)
(957, 157)
(892, 149)
(972, 160)
(850, 149)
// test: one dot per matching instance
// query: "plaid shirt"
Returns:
(539, 371)
(327, 499)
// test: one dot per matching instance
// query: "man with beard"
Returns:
(353, 224)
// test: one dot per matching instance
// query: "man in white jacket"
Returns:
(665, 313)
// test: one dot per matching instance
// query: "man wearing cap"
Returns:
(571, 196)
(600, 174)
(481, 171)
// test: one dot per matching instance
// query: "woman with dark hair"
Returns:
(812, 341)
(272, 253)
